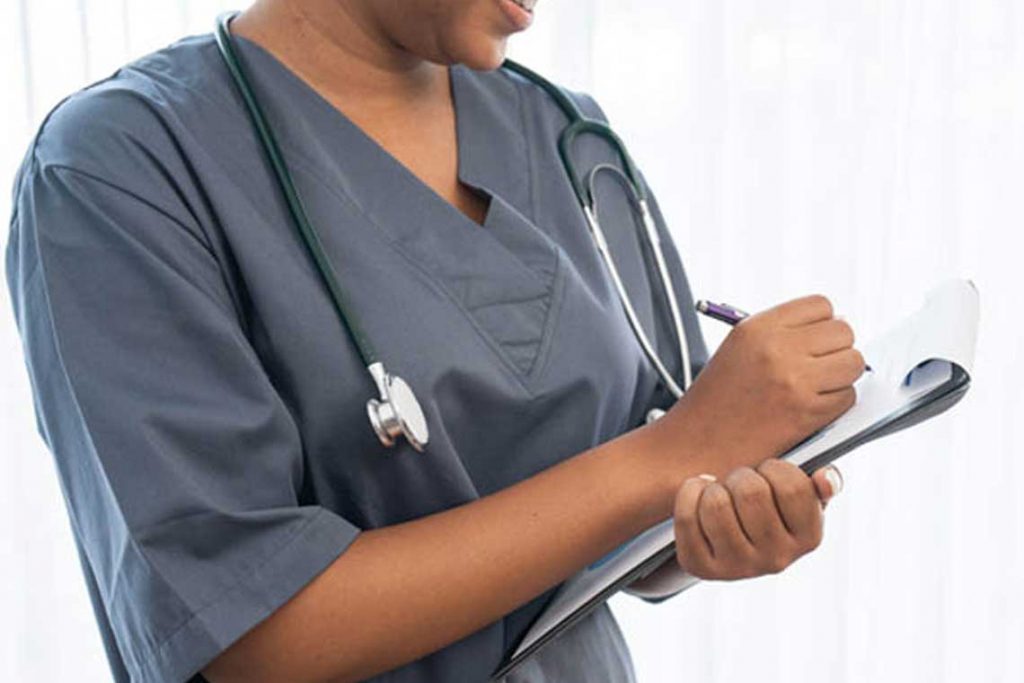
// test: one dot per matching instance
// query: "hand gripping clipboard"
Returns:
(941, 337)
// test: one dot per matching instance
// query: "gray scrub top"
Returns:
(202, 400)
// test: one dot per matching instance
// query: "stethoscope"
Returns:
(396, 412)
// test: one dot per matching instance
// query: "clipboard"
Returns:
(933, 349)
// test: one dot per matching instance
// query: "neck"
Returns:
(342, 51)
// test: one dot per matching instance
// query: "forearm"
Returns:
(400, 592)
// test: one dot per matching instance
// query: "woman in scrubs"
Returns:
(236, 517)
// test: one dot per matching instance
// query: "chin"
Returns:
(482, 54)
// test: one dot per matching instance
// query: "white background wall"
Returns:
(861, 148)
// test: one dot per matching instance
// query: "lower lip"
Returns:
(518, 16)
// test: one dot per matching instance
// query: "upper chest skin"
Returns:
(412, 119)
(421, 135)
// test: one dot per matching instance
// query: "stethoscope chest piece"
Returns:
(397, 412)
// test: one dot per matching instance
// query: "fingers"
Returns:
(693, 551)
(797, 501)
(838, 371)
(758, 521)
(755, 507)
(721, 524)
(829, 336)
(805, 310)
(835, 403)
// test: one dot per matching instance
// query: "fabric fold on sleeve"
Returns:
(180, 465)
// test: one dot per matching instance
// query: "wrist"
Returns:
(679, 446)
(656, 460)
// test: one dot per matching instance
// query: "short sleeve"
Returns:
(180, 465)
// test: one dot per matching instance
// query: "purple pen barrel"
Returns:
(721, 312)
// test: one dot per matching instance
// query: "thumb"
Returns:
(828, 482)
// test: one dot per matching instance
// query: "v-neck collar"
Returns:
(491, 156)
(504, 273)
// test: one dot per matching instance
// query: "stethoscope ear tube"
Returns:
(396, 412)
(627, 305)
(567, 140)
(578, 124)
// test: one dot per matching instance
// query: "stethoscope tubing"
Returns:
(397, 412)
(305, 226)
(580, 124)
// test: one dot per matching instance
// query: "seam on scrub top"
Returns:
(142, 200)
(547, 333)
(531, 161)
(34, 144)
(550, 324)
(432, 279)
(227, 304)
(146, 98)
(156, 653)
(140, 84)
(552, 317)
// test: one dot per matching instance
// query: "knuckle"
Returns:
(857, 360)
(789, 386)
(715, 495)
(717, 504)
(769, 467)
(820, 301)
(811, 418)
(790, 483)
(788, 469)
(686, 519)
(814, 535)
(776, 562)
(792, 384)
(748, 331)
(849, 397)
(838, 403)
(738, 476)
(744, 328)
(789, 489)
(769, 353)
(749, 488)
(846, 332)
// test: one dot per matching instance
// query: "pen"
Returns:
(730, 315)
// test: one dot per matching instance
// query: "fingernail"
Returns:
(835, 479)
(707, 477)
